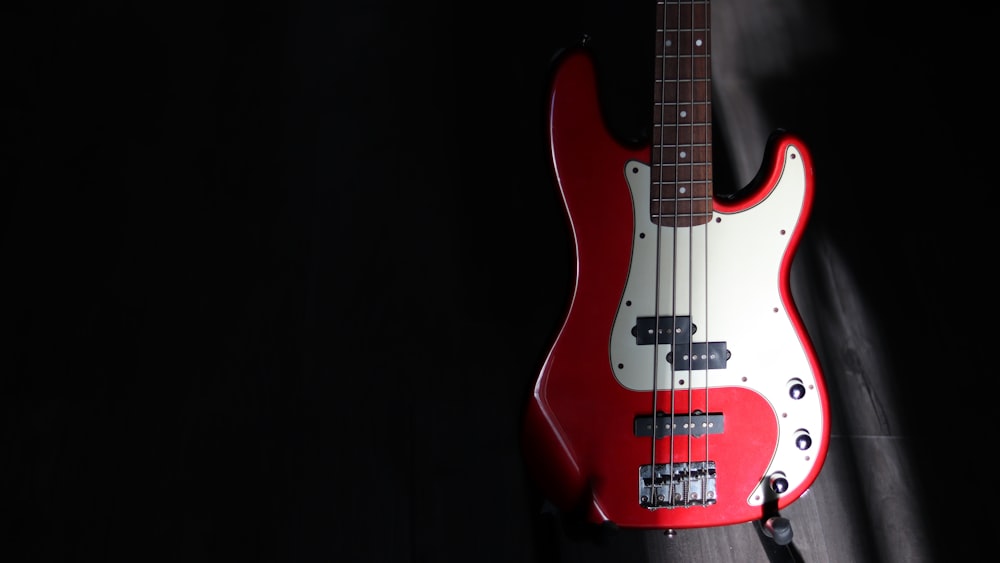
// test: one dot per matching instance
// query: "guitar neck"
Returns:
(681, 159)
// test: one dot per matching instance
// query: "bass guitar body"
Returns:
(681, 390)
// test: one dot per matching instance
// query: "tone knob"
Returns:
(803, 440)
(779, 483)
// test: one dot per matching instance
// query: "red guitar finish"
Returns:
(746, 430)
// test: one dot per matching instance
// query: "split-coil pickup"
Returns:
(668, 330)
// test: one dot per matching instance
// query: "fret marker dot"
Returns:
(684, 113)
(683, 190)
(684, 154)
(698, 42)
(668, 42)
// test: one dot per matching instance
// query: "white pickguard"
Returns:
(725, 276)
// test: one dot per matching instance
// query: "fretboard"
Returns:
(681, 174)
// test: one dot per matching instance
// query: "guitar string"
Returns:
(657, 173)
(684, 192)
(693, 192)
(707, 132)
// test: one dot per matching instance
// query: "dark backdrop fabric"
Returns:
(277, 278)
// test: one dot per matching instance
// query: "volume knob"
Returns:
(796, 389)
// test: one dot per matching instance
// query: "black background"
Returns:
(277, 278)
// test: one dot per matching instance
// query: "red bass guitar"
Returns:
(682, 390)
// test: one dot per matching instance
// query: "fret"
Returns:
(675, 103)
(682, 147)
(677, 80)
(691, 173)
(685, 206)
(670, 136)
(675, 29)
(699, 91)
(692, 188)
(669, 140)
(681, 83)
(683, 69)
(682, 56)
(687, 125)
(685, 131)
(687, 50)
(696, 154)
(689, 112)
(685, 88)
(682, 155)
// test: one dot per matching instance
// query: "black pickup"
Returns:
(698, 356)
(667, 424)
(668, 330)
